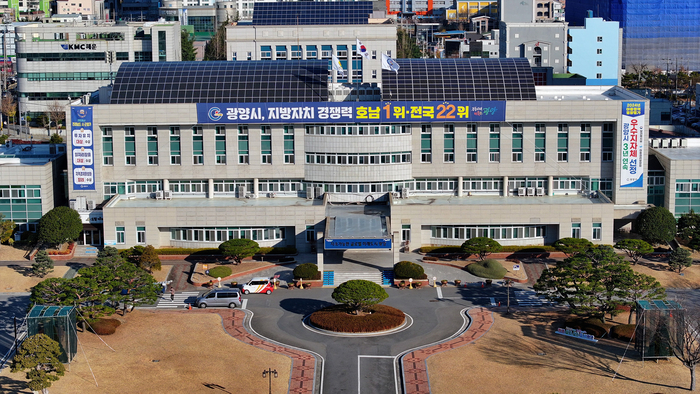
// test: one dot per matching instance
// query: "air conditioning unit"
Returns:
(71, 204)
(80, 203)
(530, 191)
(318, 192)
(395, 194)
(167, 194)
(521, 191)
(159, 195)
(240, 191)
(271, 195)
(405, 192)
(540, 191)
(309, 193)
(90, 205)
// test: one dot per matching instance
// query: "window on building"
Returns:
(575, 230)
(563, 142)
(310, 234)
(311, 52)
(107, 146)
(608, 141)
(130, 145)
(152, 142)
(266, 52)
(374, 74)
(249, 56)
(600, 39)
(243, 145)
(406, 233)
(426, 143)
(140, 235)
(599, 51)
(597, 231)
(175, 145)
(471, 143)
(289, 144)
(280, 52)
(197, 145)
(121, 235)
(220, 138)
(265, 145)
(374, 54)
(599, 63)
(449, 144)
(517, 143)
(540, 142)
(585, 142)
(494, 143)
(599, 76)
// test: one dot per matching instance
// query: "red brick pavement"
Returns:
(415, 369)
(303, 364)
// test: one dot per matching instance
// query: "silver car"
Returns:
(219, 297)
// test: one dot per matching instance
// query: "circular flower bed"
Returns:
(339, 319)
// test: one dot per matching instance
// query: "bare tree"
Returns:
(684, 339)
(639, 70)
(8, 106)
(57, 112)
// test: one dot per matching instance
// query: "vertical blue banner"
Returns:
(82, 152)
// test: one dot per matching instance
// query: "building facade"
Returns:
(56, 62)
(595, 51)
(655, 33)
(524, 166)
(674, 182)
(543, 44)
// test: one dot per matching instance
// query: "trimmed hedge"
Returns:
(308, 271)
(508, 248)
(489, 268)
(407, 270)
(220, 272)
(337, 318)
(104, 326)
(623, 332)
(278, 250)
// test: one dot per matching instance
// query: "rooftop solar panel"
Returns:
(312, 13)
(221, 81)
(459, 80)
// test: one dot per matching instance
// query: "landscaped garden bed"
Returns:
(339, 318)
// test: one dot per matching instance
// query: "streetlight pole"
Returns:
(268, 374)
(508, 283)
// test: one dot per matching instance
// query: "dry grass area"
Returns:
(14, 279)
(519, 274)
(670, 279)
(199, 275)
(166, 352)
(11, 253)
(521, 354)
(162, 275)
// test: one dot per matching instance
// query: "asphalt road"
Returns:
(11, 305)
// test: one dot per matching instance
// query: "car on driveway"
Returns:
(259, 284)
(219, 297)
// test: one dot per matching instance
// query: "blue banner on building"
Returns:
(353, 112)
(370, 243)
(82, 152)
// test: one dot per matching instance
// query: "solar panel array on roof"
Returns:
(312, 13)
(221, 82)
(459, 80)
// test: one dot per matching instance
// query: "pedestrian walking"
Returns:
(172, 295)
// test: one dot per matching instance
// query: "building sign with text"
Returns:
(369, 243)
(82, 152)
(632, 145)
(353, 112)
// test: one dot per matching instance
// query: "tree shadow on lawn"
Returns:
(660, 266)
(9, 385)
(540, 347)
(22, 270)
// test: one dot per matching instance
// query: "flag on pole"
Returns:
(389, 64)
(361, 49)
(335, 64)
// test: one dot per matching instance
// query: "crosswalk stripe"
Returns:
(493, 301)
(530, 298)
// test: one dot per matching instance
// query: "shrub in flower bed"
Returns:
(188, 251)
(430, 258)
(488, 268)
(68, 250)
(220, 272)
(337, 318)
(307, 271)
(105, 326)
(623, 332)
(441, 249)
(407, 270)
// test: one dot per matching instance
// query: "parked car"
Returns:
(219, 297)
(259, 285)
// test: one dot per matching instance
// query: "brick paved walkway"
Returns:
(303, 372)
(414, 364)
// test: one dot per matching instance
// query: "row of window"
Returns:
(494, 232)
(63, 76)
(687, 196)
(70, 56)
(358, 129)
(358, 158)
(21, 203)
(221, 234)
(596, 235)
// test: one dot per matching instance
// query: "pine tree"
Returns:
(39, 356)
(187, 43)
(43, 264)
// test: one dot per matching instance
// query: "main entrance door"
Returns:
(90, 237)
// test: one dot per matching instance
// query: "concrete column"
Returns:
(166, 184)
(505, 186)
(210, 189)
(550, 185)
(396, 245)
(319, 251)
(460, 187)
(255, 187)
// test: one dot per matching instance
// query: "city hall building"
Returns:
(192, 154)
